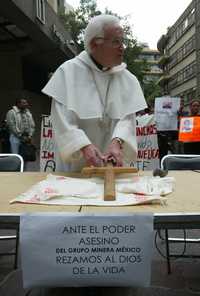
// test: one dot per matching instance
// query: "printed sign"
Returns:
(189, 130)
(86, 250)
(148, 152)
(166, 109)
(47, 146)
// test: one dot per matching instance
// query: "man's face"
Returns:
(109, 50)
(23, 104)
(195, 108)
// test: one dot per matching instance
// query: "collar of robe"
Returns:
(73, 85)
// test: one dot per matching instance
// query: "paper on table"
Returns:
(60, 190)
(149, 186)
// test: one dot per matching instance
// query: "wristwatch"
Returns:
(120, 141)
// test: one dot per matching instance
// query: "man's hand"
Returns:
(92, 155)
(114, 153)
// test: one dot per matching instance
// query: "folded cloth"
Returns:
(58, 186)
(147, 185)
(60, 190)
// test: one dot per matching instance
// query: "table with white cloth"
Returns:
(180, 211)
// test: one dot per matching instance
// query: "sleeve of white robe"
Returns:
(69, 138)
(126, 130)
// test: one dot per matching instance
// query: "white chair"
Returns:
(179, 162)
(11, 163)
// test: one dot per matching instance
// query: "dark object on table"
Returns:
(160, 173)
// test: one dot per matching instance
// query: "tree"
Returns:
(151, 90)
(75, 21)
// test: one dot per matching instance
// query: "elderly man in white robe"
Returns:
(95, 99)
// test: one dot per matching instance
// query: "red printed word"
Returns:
(47, 133)
(146, 130)
(47, 155)
(148, 154)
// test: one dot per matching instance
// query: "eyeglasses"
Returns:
(115, 42)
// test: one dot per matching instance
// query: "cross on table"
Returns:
(109, 173)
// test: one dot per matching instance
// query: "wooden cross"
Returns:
(109, 173)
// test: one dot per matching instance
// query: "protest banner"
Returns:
(148, 152)
(146, 132)
(189, 130)
(47, 146)
(166, 109)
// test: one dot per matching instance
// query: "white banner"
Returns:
(166, 115)
(47, 146)
(86, 250)
(148, 153)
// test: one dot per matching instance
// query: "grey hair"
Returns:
(96, 26)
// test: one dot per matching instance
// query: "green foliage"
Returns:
(151, 90)
(76, 21)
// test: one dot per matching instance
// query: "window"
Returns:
(182, 27)
(182, 76)
(40, 10)
(182, 52)
(191, 17)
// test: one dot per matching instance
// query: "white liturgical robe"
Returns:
(92, 106)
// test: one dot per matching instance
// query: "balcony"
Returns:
(165, 59)
(164, 79)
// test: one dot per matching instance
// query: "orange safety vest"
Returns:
(189, 129)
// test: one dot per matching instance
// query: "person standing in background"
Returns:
(21, 124)
(193, 147)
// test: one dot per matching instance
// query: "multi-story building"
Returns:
(57, 5)
(180, 58)
(60, 5)
(33, 42)
(151, 57)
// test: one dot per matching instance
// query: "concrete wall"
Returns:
(182, 40)
(184, 87)
(11, 76)
(24, 73)
(12, 88)
(53, 4)
(187, 61)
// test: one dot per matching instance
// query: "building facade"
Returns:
(180, 55)
(151, 57)
(33, 43)
(60, 6)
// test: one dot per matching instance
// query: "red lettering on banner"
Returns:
(47, 133)
(50, 155)
(47, 155)
(148, 154)
(146, 130)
